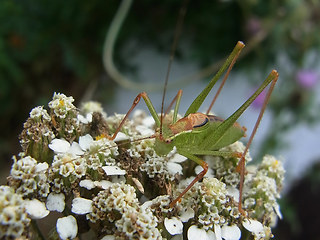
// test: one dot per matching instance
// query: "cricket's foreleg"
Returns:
(176, 99)
(199, 161)
(134, 104)
(241, 164)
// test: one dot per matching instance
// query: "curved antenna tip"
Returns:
(240, 44)
(275, 73)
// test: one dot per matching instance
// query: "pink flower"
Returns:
(307, 78)
(258, 102)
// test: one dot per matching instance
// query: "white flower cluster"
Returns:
(122, 188)
(120, 205)
(29, 177)
(13, 216)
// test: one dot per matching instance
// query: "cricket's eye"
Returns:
(168, 140)
(202, 124)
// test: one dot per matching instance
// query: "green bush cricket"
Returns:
(198, 134)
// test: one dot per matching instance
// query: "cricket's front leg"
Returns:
(134, 104)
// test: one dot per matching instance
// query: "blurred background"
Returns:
(57, 46)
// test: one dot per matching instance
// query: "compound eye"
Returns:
(202, 124)
(168, 140)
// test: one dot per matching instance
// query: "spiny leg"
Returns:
(199, 161)
(241, 164)
(134, 104)
(223, 81)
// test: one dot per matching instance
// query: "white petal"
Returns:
(217, 231)
(144, 130)
(113, 170)
(108, 237)
(87, 183)
(178, 158)
(211, 235)
(187, 214)
(75, 149)
(146, 205)
(85, 141)
(104, 184)
(277, 210)
(195, 233)
(42, 167)
(81, 205)
(121, 136)
(173, 225)
(59, 145)
(67, 227)
(55, 202)
(253, 226)
(36, 209)
(174, 168)
(230, 232)
(233, 192)
(148, 121)
(138, 185)
(199, 169)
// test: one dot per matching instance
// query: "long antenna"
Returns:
(178, 29)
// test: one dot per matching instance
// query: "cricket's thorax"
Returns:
(188, 123)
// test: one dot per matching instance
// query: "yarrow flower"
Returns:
(122, 189)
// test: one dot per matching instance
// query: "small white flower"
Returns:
(230, 232)
(253, 226)
(173, 165)
(35, 209)
(173, 225)
(144, 130)
(87, 183)
(59, 145)
(56, 202)
(85, 119)
(174, 168)
(199, 169)
(187, 214)
(81, 205)
(85, 142)
(104, 184)
(113, 170)
(148, 122)
(146, 205)
(120, 137)
(195, 233)
(178, 158)
(63, 146)
(67, 227)
(38, 112)
(42, 167)
(276, 208)
(75, 149)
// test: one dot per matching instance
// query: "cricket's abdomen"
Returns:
(204, 132)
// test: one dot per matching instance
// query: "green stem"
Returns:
(37, 230)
